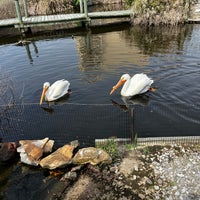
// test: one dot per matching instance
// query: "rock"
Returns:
(8, 151)
(30, 154)
(60, 158)
(91, 155)
(156, 187)
(47, 148)
(74, 143)
(69, 176)
(22, 43)
(141, 196)
(76, 168)
(32, 150)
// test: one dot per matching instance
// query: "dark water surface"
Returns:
(93, 62)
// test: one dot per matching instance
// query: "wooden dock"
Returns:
(84, 17)
(63, 18)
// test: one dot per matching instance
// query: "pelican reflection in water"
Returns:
(142, 100)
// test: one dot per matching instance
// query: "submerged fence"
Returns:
(97, 122)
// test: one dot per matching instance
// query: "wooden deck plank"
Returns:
(43, 18)
(8, 22)
(121, 13)
(50, 19)
(190, 20)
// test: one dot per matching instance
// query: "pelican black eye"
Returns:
(123, 79)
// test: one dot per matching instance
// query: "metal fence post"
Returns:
(187, 9)
(85, 8)
(132, 131)
(81, 6)
(26, 8)
(19, 14)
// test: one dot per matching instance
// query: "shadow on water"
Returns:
(11, 35)
(24, 182)
(148, 40)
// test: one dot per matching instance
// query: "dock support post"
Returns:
(81, 6)
(19, 14)
(87, 22)
(26, 8)
(132, 126)
(187, 7)
(85, 8)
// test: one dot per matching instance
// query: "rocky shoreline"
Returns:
(168, 172)
(142, 172)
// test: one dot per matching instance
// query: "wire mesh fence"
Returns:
(89, 123)
(63, 123)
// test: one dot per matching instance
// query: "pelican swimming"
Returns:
(55, 91)
(138, 84)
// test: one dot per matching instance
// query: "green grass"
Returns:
(134, 144)
(110, 146)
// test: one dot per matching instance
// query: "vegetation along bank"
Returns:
(157, 12)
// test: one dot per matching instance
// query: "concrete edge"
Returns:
(154, 140)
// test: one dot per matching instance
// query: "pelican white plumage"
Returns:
(138, 84)
(57, 90)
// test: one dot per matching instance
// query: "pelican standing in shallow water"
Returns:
(55, 91)
(138, 84)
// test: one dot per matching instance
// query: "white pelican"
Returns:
(55, 91)
(138, 84)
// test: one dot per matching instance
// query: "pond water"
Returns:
(93, 61)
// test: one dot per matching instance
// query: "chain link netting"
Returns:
(88, 123)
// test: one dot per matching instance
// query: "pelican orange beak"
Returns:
(43, 95)
(120, 83)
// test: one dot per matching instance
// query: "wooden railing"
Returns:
(24, 23)
(83, 9)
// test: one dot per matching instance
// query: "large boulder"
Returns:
(60, 158)
(31, 151)
(8, 151)
(91, 155)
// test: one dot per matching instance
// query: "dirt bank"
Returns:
(150, 172)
